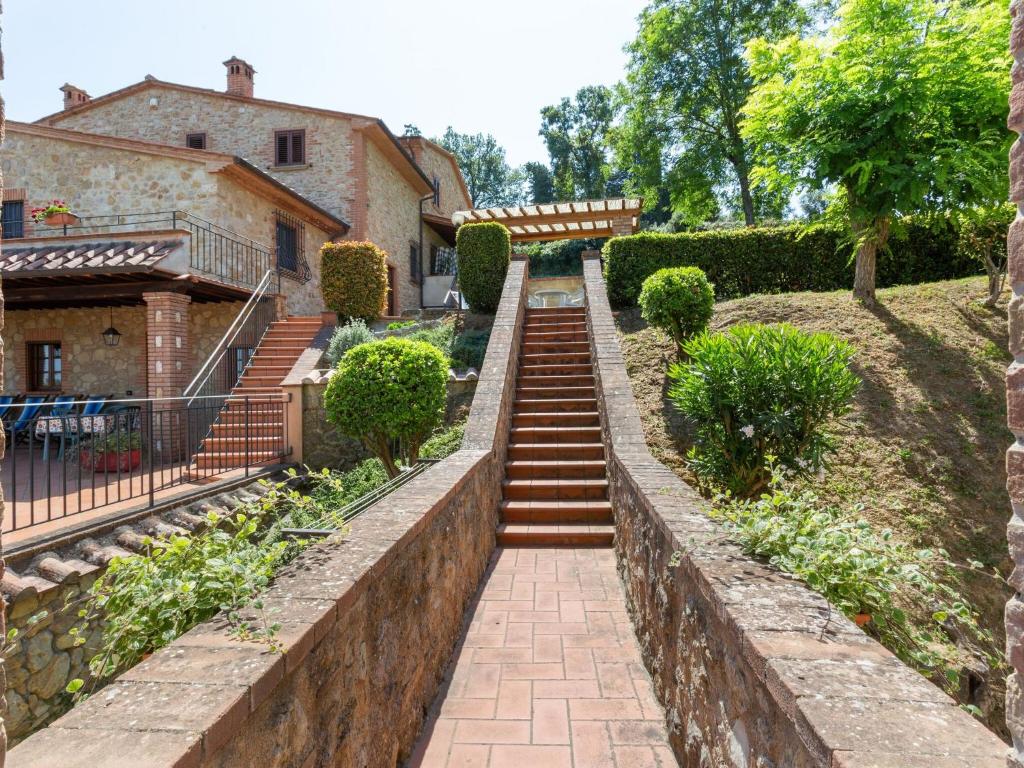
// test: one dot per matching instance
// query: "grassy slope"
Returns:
(923, 448)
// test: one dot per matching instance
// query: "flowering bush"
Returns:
(761, 391)
(42, 214)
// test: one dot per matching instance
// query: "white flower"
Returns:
(748, 430)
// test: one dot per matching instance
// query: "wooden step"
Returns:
(555, 451)
(556, 419)
(562, 468)
(530, 511)
(554, 404)
(555, 535)
(557, 489)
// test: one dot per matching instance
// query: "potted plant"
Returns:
(108, 453)
(55, 214)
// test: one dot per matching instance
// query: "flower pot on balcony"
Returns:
(61, 220)
(112, 461)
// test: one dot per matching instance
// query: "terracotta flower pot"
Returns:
(110, 461)
(61, 220)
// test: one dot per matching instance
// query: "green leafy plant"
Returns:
(469, 348)
(387, 392)
(901, 595)
(760, 391)
(440, 336)
(399, 324)
(444, 443)
(678, 300)
(117, 442)
(352, 334)
(483, 251)
(354, 279)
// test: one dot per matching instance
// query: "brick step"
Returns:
(231, 427)
(273, 358)
(532, 336)
(557, 311)
(555, 357)
(258, 403)
(530, 348)
(550, 404)
(556, 488)
(554, 535)
(555, 451)
(557, 326)
(256, 444)
(530, 370)
(278, 340)
(227, 459)
(260, 368)
(258, 380)
(559, 469)
(556, 511)
(555, 435)
(559, 380)
(532, 391)
(556, 419)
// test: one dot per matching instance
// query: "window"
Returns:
(13, 218)
(44, 372)
(195, 141)
(289, 147)
(287, 247)
(437, 191)
(442, 260)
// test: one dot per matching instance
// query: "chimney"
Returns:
(239, 77)
(73, 96)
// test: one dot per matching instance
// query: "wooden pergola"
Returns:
(561, 221)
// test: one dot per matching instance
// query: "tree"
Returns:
(489, 179)
(411, 129)
(902, 107)
(540, 183)
(576, 133)
(686, 83)
(982, 234)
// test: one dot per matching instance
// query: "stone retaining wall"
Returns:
(368, 624)
(753, 668)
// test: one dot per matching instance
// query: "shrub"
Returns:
(354, 279)
(400, 324)
(352, 334)
(483, 252)
(741, 262)
(560, 258)
(680, 301)
(387, 392)
(440, 336)
(444, 443)
(866, 574)
(469, 348)
(758, 393)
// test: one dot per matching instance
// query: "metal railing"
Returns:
(213, 250)
(61, 465)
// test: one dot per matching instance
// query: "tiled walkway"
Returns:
(548, 673)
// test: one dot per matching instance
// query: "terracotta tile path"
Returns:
(548, 673)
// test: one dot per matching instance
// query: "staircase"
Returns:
(257, 392)
(556, 487)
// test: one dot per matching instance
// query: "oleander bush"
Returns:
(758, 394)
(390, 395)
(782, 259)
(354, 279)
(679, 300)
(483, 251)
(352, 334)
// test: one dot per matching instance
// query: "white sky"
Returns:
(479, 65)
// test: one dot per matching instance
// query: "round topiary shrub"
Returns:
(483, 251)
(760, 398)
(679, 300)
(386, 393)
(354, 279)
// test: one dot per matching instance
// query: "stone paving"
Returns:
(548, 673)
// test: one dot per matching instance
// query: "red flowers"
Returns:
(55, 207)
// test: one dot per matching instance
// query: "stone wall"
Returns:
(393, 219)
(368, 625)
(753, 668)
(436, 162)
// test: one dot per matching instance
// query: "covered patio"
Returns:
(579, 220)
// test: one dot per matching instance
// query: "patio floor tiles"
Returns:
(548, 673)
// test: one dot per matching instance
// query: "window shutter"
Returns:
(196, 141)
(298, 150)
(282, 149)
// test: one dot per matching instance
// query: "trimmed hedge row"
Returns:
(483, 252)
(354, 279)
(779, 259)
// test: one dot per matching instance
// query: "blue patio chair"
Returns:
(72, 437)
(26, 417)
(6, 401)
(60, 408)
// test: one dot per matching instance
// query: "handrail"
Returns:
(201, 378)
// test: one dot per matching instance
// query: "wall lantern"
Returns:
(111, 336)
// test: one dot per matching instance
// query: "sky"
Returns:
(477, 65)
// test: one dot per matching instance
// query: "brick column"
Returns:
(622, 225)
(1015, 401)
(168, 355)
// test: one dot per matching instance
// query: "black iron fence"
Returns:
(68, 458)
(213, 249)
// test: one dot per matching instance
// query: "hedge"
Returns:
(354, 279)
(483, 252)
(779, 259)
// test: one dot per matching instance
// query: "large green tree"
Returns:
(489, 178)
(540, 183)
(576, 133)
(686, 83)
(902, 106)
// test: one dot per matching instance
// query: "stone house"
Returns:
(398, 193)
(171, 241)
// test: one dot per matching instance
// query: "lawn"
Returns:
(923, 448)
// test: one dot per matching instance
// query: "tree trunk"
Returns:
(874, 237)
(747, 198)
(995, 278)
